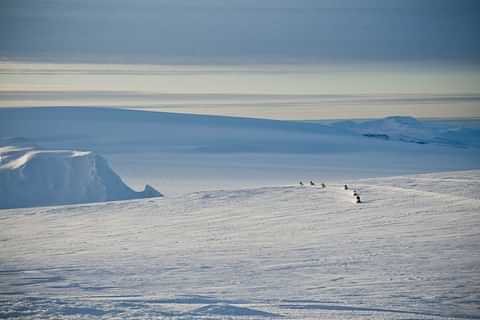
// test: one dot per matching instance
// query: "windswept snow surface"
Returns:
(409, 251)
(36, 177)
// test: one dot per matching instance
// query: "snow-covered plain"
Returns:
(409, 251)
(257, 245)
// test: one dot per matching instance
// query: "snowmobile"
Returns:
(358, 199)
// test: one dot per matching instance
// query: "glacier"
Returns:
(234, 235)
(184, 153)
(31, 176)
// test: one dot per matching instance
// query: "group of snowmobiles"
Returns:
(345, 187)
(323, 185)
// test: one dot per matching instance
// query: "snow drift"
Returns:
(36, 177)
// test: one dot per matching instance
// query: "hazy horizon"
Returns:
(294, 92)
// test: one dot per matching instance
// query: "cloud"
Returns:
(210, 30)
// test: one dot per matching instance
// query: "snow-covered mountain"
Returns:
(409, 251)
(30, 176)
(408, 129)
(181, 153)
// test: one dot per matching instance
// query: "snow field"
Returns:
(410, 250)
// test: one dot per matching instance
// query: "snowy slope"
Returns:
(410, 251)
(30, 176)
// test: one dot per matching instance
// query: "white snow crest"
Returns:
(30, 177)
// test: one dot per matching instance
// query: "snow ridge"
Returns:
(35, 177)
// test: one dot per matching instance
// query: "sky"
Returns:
(251, 58)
